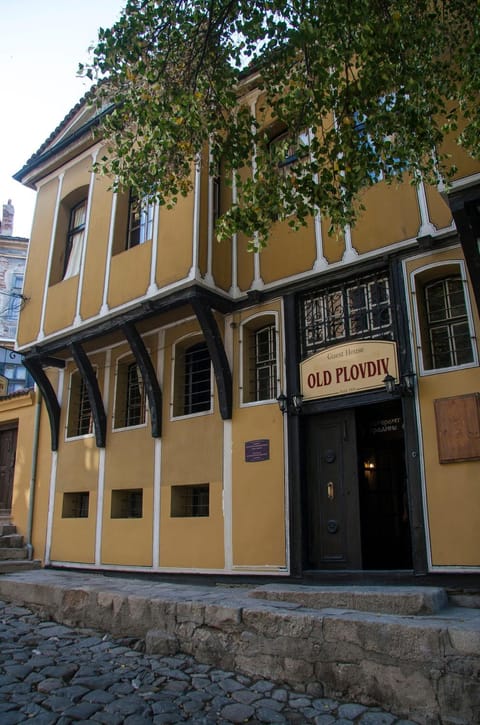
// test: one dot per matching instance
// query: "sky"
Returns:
(41, 44)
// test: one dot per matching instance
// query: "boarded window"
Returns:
(458, 428)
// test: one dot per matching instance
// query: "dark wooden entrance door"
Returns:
(8, 449)
(333, 520)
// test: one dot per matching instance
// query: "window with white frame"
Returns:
(80, 420)
(192, 379)
(140, 221)
(70, 230)
(287, 148)
(444, 321)
(130, 403)
(259, 352)
(75, 239)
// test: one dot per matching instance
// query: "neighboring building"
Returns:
(16, 384)
(13, 257)
(161, 354)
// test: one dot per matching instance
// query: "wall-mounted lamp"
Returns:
(406, 386)
(292, 405)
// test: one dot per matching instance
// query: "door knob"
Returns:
(330, 491)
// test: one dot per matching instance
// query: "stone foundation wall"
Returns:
(424, 668)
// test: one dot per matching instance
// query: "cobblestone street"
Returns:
(50, 673)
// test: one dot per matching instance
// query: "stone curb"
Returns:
(391, 600)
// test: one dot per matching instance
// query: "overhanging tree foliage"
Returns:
(363, 90)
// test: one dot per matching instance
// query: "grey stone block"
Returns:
(158, 642)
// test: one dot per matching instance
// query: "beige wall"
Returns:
(452, 491)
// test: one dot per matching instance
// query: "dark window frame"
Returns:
(346, 311)
(197, 379)
(130, 396)
(80, 417)
(75, 505)
(127, 503)
(190, 501)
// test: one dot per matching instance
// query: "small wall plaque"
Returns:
(256, 451)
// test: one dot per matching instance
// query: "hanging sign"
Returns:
(348, 368)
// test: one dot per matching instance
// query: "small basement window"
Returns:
(190, 501)
(127, 504)
(75, 505)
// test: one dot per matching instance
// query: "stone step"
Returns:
(385, 600)
(10, 566)
(11, 541)
(7, 529)
(13, 553)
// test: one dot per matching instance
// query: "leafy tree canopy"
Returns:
(364, 90)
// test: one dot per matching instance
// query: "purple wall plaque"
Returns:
(257, 450)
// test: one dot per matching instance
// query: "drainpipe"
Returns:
(33, 474)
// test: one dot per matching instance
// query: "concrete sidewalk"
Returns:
(402, 648)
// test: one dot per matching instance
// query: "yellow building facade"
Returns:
(208, 409)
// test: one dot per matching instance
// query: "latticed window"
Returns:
(75, 505)
(80, 420)
(265, 363)
(130, 396)
(192, 388)
(190, 501)
(127, 504)
(258, 338)
(197, 379)
(449, 333)
(353, 310)
(84, 411)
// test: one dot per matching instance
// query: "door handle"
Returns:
(330, 491)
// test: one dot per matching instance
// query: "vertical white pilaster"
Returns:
(227, 463)
(111, 232)
(157, 467)
(194, 270)
(153, 288)
(156, 502)
(101, 466)
(321, 262)
(51, 507)
(210, 227)
(258, 282)
(234, 289)
(426, 226)
(227, 495)
(350, 254)
(53, 480)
